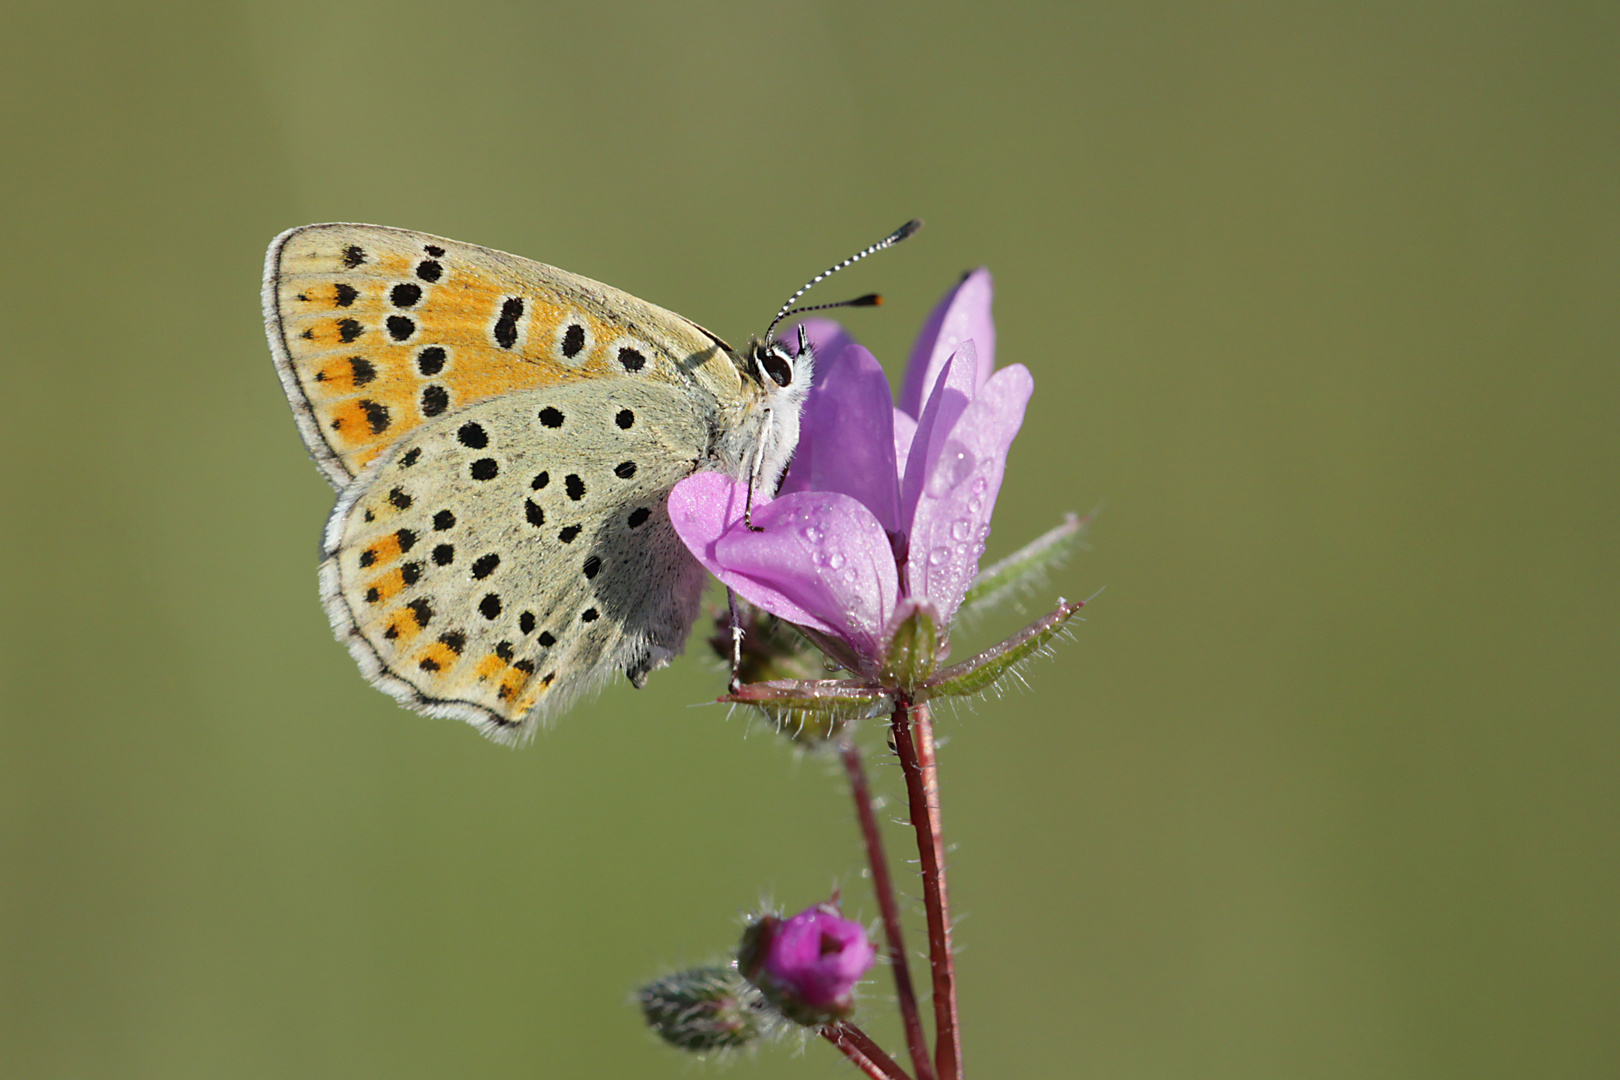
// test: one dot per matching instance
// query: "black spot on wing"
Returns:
(430, 361)
(506, 331)
(573, 341)
(421, 610)
(353, 256)
(376, 416)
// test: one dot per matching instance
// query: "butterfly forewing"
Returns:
(497, 562)
(378, 331)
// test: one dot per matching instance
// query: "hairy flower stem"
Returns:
(866, 1054)
(883, 885)
(917, 763)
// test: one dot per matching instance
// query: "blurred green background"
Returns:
(1321, 303)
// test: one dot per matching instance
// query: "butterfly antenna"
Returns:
(870, 300)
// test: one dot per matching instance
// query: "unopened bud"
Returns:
(705, 1009)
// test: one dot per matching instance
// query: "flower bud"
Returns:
(705, 1009)
(807, 966)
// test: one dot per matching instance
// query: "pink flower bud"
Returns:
(808, 965)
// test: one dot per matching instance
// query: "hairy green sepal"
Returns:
(813, 710)
(980, 672)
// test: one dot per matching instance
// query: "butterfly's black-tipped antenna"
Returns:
(869, 300)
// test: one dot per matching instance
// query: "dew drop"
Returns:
(961, 529)
(938, 556)
(835, 560)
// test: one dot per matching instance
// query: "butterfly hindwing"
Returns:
(480, 569)
(377, 331)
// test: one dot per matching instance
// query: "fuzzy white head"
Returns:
(786, 380)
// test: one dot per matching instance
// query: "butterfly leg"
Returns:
(736, 643)
(753, 481)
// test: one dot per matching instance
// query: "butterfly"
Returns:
(503, 436)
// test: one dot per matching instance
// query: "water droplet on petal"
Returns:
(835, 560)
(961, 529)
(938, 556)
(978, 485)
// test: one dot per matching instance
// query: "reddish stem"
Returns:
(883, 885)
(917, 763)
(866, 1054)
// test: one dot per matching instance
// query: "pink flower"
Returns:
(884, 510)
(808, 965)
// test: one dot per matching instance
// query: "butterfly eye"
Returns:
(776, 366)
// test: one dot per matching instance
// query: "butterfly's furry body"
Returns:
(504, 436)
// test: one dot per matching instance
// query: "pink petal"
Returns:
(946, 400)
(846, 434)
(905, 429)
(959, 491)
(829, 340)
(963, 315)
(823, 560)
